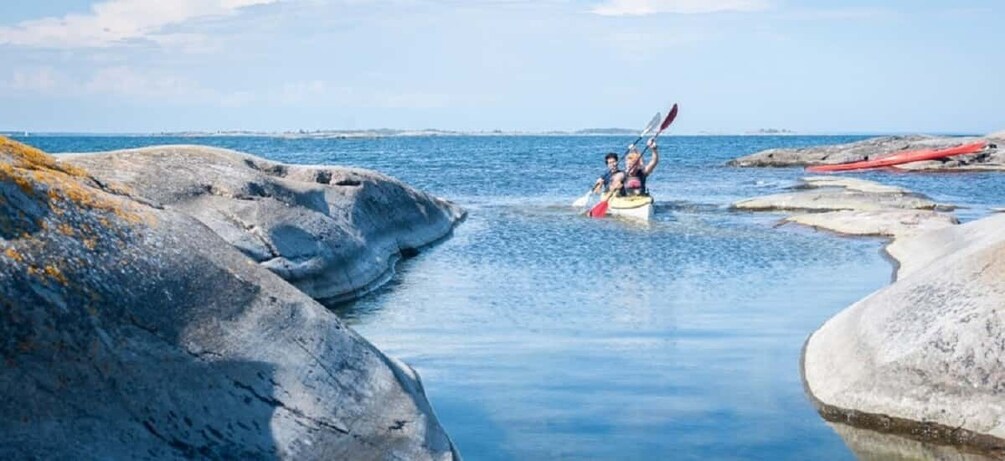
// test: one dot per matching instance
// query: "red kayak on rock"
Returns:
(902, 157)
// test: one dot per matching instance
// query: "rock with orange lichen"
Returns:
(333, 232)
(133, 332)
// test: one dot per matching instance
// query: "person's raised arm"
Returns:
(655, 159)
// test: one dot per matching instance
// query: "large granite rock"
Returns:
(335, 233)
(990, 159)
(133, 332)
(924, 356)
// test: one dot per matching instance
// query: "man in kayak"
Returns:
(632, 181)
(603, 183)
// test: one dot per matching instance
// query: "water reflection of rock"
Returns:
(875, 446)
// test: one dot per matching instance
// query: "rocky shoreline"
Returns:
(146, 315)
(991, 158)
(922, 357)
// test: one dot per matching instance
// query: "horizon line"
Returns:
(393, 132)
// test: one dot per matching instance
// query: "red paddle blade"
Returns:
(672, 115)
(599, 210)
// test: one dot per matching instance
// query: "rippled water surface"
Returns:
(540, 334)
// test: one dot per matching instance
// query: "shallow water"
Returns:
(540, 334)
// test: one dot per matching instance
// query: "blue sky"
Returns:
(733, 65)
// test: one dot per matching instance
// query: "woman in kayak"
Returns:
(632, 181)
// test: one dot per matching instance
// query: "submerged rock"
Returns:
(333, 232)
(855, 207)
(133, 332)
(992, 158)
(924, 356)
(886, 223)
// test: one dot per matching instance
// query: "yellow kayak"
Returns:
(634, 206)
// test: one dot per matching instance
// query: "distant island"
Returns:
(387, 132)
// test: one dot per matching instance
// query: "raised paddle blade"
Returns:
(672, 115)
(648, 129)
(651, 125)
(666, 122)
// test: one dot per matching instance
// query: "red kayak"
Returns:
(902, 157)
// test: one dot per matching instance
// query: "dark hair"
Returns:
(611, 155)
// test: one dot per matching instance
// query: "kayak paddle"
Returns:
(648, 129)
(670, 118)
(582, 201)
(600, 209)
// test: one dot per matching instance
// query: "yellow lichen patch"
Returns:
(90, 243)
(69, 189)
(8, 173)
(65, 229)
(52, 271)
(13, 254)
(34, 159)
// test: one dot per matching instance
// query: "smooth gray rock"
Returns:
(854, 184)
(132, 332)
(924, 356)
(990, 159)
(335, 233)
(854, 207)
(832, 200)
(885, 223)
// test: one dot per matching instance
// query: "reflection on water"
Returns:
(873, 446)
(541, 334)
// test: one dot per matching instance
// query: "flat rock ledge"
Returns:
(991, 159)
(854, 207)
(129, 330)
(334, 233)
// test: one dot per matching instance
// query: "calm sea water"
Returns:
(541, 334)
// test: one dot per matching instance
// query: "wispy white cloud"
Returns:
(840, 14)
(107, 82)
(320, 92)
(164, 87)
(34, 80)
(647, 7)
(132, 83)
(116, 21)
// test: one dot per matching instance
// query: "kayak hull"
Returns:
(902, 157)
(634, 207)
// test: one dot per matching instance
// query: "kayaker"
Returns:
(603, 183)
(632, 181)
